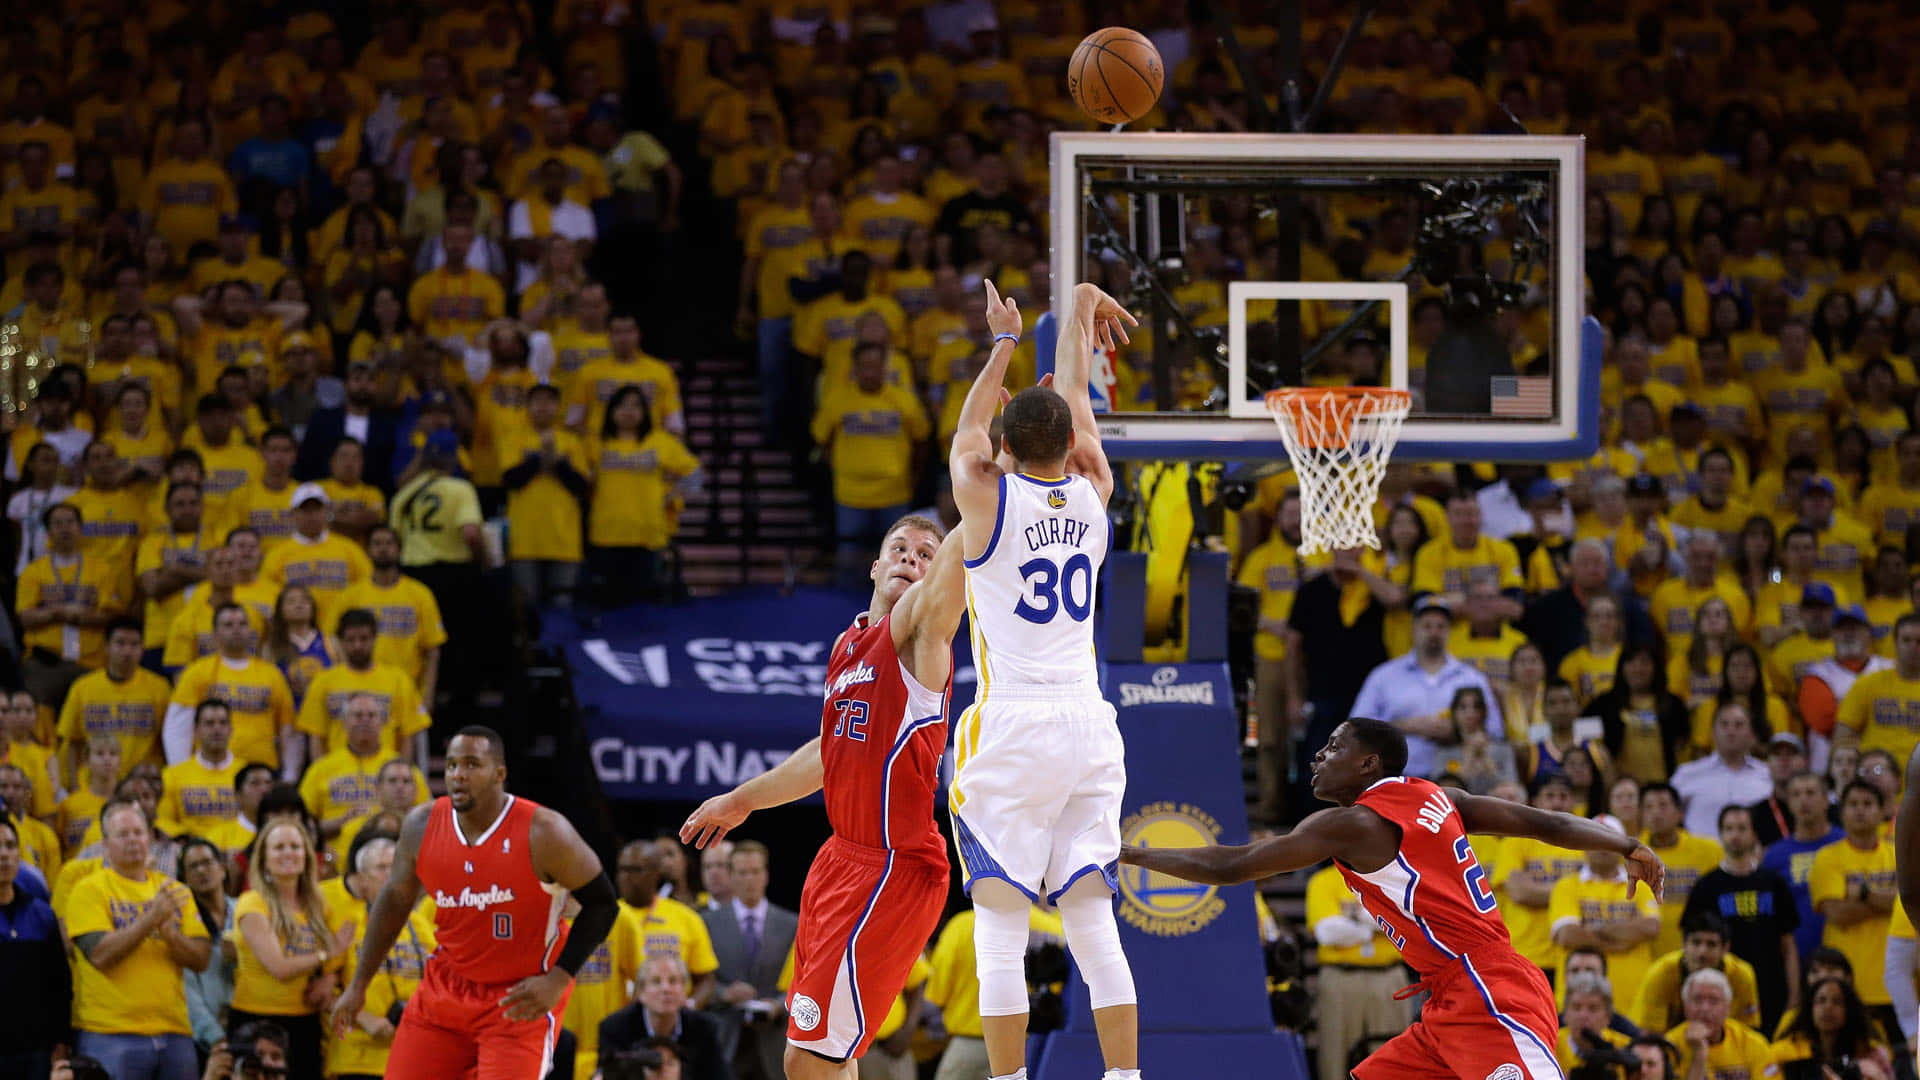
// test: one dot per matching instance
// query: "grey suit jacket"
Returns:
(764, 1041)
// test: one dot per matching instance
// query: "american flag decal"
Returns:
(1529, 396)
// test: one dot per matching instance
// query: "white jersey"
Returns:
(1030, 594)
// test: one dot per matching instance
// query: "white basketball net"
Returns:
(1339, 441)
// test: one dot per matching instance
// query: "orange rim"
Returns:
(1335, 408)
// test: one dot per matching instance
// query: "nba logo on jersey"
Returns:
(1057, 499)
(506, 847)
(469, 868)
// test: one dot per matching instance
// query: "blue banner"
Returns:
(683, 703)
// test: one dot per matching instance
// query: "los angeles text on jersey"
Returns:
(1059, 530)
(468, 898)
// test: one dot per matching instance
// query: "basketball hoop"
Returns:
(1339, 439)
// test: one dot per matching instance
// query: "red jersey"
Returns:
(1433, 900)
(496, 921)
(881, 737)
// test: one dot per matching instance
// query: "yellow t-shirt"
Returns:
(144, 993)
(872, 438)
(445, 304)
(1492, 656)
(1675, 602)
(1591, 902)
(1887, 509)
(358, 1053)
(186, 199)
(633, 489)
(130, 712)
(1569, 1059)
(1274, 569)
(191, 635)
(430, 513)
(327, 567)
(254, 990)
(603, 986)
(355, 497)
(34, 760)
(1532, 927)
(161, 550)
(255, 692)
(40, 847)
(597, 381)
(409, 621)
(1742, 1055)
(1656, 1005)
(1839, 869)
(76, 815)
(1688, 860)
(342, 782)
(1591, 673)
(268, 511)
(1327, 892)
(1440, 567)
(543, 517)
(324, 710)
(219, 346)
(671, 926)
(110, 531)
(91, 584)
(229, 468)
(1884, 710)
(197, 799)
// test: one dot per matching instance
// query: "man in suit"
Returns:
(751, 939)
(377, 429)
(659, 1010)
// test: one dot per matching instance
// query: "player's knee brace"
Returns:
(1086, 911)
(1000, 950)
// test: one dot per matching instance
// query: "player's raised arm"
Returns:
(976, 479)
(1094, 320)
(560, 856)
(1498, 817)
(1343, 830)
(795, 778)
(929, 611)
(386, 917)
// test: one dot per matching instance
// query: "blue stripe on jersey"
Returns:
(999, 519)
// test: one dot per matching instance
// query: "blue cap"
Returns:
(1851, 611)
(1541, 488)
(1816, 483)
(443, 442)
(1819, 593)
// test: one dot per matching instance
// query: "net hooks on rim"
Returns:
(1338, 439)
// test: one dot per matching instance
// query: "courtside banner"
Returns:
(685, 702)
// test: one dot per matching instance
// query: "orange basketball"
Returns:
(1115, 75)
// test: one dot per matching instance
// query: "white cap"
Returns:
(1608, 821)
(306, 493)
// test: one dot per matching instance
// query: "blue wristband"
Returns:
(998, 338)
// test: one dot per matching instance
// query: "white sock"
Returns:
(1122, 1074)
(1020, 1074)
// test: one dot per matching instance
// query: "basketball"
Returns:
(1115, 75)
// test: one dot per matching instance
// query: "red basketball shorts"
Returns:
(864, 916)
(1488, 1017)
(455, 1028)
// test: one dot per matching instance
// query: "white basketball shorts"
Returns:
(1037, 783)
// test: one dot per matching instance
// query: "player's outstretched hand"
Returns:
(346, 1008)
(1644, 865)
(535, 994)
(1110, 319)
(713, 819)
(1003, 315)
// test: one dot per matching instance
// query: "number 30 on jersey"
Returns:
(1052, 587)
